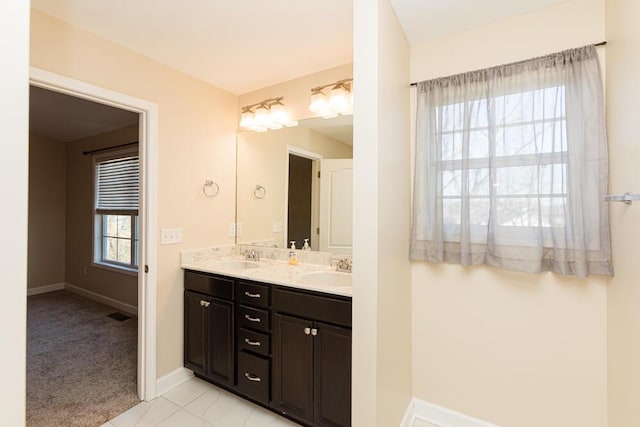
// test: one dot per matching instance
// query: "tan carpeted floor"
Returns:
(81, 364)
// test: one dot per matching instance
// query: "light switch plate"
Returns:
(239, 229)
(276, 227)
(170, 236)
(232, 229)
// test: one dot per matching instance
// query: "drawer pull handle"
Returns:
(250, 295)
(307, 331)
(252, 377)
(254, 343)
(252, 319)
(204, 303)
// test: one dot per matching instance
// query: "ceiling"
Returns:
(236, 45)
(339, 128)
(67, 118)
(240, 45)
(423, 20)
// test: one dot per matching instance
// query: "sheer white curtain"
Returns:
(511, 167)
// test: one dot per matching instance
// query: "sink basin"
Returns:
(236, 265)
(327, 278)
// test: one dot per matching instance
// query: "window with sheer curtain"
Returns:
(511, 167)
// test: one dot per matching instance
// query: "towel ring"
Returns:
(210, 188)
(259, 192)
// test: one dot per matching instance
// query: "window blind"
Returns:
(117, 185)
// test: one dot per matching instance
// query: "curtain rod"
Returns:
(99, 150)
(596, 45)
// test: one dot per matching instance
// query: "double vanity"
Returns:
(276, 334)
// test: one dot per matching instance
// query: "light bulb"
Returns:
(278, 116)
(339, 100)
(261, 117)
(319, 103)
(247, 119)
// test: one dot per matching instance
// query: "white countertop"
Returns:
(273, 271)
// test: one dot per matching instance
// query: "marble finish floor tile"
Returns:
(196, 403)
(146, 414)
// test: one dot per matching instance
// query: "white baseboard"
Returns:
(419, 410)
(45, 289)
(118, 305)
(172, 379)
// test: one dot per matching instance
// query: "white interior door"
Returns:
(336, 205)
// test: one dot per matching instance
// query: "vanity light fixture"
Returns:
(264, 115)
(338, 100)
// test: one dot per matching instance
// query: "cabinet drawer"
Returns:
(211, 285)
(255, 342)
(310, 306)
(253, 318)
(253, 376)
(252, 294)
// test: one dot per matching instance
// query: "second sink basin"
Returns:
(236, 265)
(326, 278)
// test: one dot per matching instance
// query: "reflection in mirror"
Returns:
(306, 177)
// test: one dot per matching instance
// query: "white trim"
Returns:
(173, 379)
(44, 289)
(111, 302)
(148, 143)
(439, 416)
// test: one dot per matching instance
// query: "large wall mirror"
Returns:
(295, 184)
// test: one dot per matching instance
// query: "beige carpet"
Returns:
(81, 364)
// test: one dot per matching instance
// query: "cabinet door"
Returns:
(221, 351)
(196, 332)
(332, 382)
(293, 366)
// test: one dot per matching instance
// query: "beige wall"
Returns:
(80, 270)
(14, 173)
(47, 210)
(510, 348)
(623, 308)
(196, 142)
(262, 159)
(381, 274)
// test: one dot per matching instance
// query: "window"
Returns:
(511, 167)
(520, 172)
(116, 238)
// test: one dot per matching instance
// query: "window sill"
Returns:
(115, 268)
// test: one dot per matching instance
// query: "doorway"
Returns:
(146, 281)
(302, 197)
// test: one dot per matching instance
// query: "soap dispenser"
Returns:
(293, 260)
(306, 246)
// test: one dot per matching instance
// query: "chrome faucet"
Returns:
(251, 254)
(344, 265)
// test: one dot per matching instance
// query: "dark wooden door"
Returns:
(196, 332)
(221, 349)
(292, 382)
(299, 200)
(332, 372)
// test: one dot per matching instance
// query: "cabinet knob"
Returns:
(204, 303)
(314, 332)
(252, 377)
(252, 319)
(307, 331)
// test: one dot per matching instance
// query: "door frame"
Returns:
(148, 143)
(315, 194)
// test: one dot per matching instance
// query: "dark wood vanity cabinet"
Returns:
(312, 358)
(286, 349)
(209, 335)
